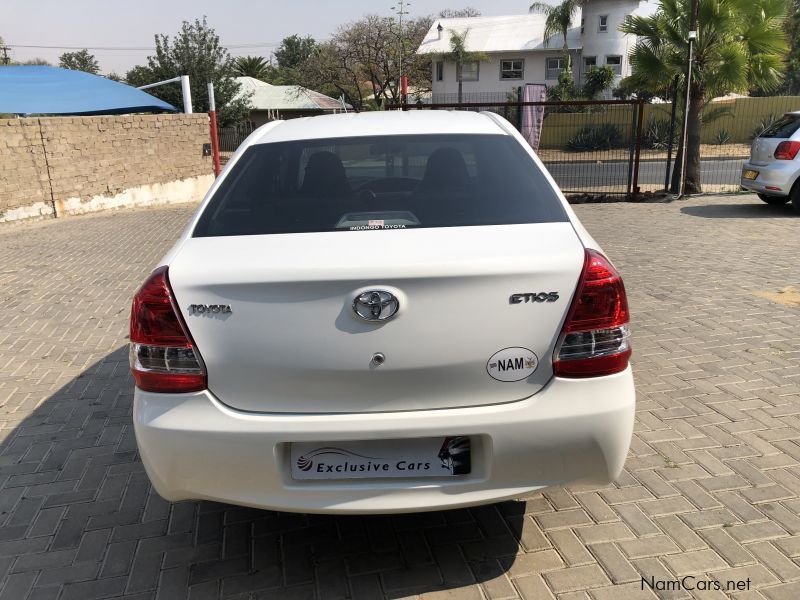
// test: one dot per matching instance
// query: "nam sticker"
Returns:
(512, 364)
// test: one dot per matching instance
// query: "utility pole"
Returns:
(692, 39)
(400, 11)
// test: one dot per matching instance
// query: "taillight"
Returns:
(594, 339)
(787, 150)
(162, 355)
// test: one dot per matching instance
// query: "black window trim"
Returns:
(619, 65)
(521, 71)
(561, 61)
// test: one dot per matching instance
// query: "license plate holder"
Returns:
(749, 174)
(444, 456)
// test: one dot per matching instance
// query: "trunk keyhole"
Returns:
(378, 359)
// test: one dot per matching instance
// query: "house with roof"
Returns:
(517, 52)
(272, 102)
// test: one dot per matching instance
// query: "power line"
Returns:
(133, 48)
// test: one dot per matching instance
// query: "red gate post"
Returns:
(212, 113)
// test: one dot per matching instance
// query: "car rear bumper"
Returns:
(774, 179)
(194, 447)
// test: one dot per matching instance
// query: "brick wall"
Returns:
(52, 166)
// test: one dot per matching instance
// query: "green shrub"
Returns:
(723, 136)
(596, 137)
(656, 134)
(598, 80)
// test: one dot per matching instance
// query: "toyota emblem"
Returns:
(376, 305)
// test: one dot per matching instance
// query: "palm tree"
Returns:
(558, 21)
(251, 66)
(460, 54)
(740, 44)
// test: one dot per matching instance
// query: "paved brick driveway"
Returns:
(711, 489)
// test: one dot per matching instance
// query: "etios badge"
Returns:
(376, 305)
(512, 364)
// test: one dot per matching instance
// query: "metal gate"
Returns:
(589, 146)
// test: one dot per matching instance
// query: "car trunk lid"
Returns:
(293, 343)
(762, 152)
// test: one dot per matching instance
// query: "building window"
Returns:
(602, 26)
(589, 62)
(615, 62)
(469, 71)
(554, 67)
(440, 70)
(512, 68)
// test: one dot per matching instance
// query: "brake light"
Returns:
(787, 150)
(163, 357)
(594, 339)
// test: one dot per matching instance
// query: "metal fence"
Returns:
(619, 147)
(729, 126)
(589, 146)
(628, 147)
(231, 137)
(471, 97)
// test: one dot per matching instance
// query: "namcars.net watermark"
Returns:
(690, 583)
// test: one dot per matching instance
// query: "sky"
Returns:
(106, 24)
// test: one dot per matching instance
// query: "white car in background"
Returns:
(773, 171)
(381, 312)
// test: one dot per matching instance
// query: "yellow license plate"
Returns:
(748, 174)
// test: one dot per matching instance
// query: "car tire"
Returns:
(774, 199)
(795, 196)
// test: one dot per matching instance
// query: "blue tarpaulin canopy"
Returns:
(38, 90)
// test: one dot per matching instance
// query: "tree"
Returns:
(79, 61)
(740, 44)
(252, 66)
(449, 13)
(196, 52)
(558, 20)
(333, 70)
(141, 75)
(791, 85)
(598, 80)
(362, 59)
(460, 54)
(294, 51)
(37, 62)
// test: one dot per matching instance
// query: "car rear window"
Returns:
(377, 182)
(782, 128)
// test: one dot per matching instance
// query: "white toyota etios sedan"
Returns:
(375, 313)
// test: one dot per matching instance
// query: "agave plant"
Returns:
(722, 136)
(596, 137)
(657, 134)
